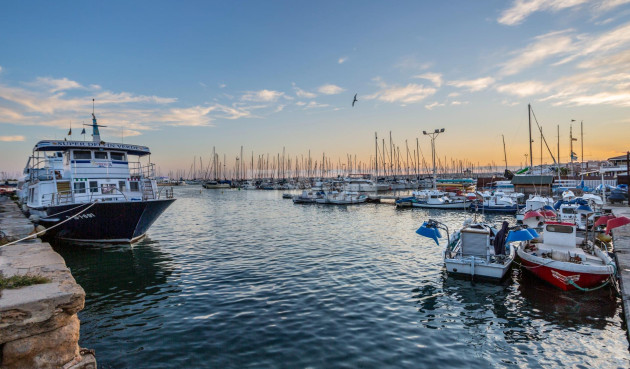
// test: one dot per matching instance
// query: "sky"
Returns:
(184, 77)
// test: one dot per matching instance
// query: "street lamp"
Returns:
(433, 135)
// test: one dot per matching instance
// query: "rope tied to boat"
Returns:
(56, 225)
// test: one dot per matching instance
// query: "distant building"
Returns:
(530, 185)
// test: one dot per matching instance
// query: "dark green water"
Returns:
(245, 279)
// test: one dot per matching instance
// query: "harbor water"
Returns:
(245, 279)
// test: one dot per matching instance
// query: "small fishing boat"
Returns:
(494, 203)
(306, 197)
(287, 196)
(565, 260)
(535, 202)
(434, 199)
(476, 250)
(342, 198)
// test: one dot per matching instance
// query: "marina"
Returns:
(330, 184)
(235, 299)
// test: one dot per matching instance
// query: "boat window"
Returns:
(121, 185)
(133, 186)
(93, 186)
(117, 156)
(108, 188)
(79, 187)
(82, 155)
(559, 228)
(568, 211)
(100, 155)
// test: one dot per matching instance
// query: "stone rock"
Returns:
(47, 350)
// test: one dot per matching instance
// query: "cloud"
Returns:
(521, 9)
(0, 69)
(262, 96)
(305, 94)
(330, 89)
(545, 46)
(605, 42)
(602, 98)
(314, 104)
(203, 85)
(222, 85)
(11, 138)
(436, 78)
(55, 85)
(454, 94)
(279, 109)
(473, 85)
(412, 93)
(523, 89)
(433, 105)
(300, 103)
(342, 59)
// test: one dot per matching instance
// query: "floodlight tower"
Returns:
(433, 135)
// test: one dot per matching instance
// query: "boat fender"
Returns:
(34, 218)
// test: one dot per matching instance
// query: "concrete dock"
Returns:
(621, 241)
(39, 327)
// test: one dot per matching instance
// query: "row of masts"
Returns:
(390, 160)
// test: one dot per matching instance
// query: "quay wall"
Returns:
(621, 240)
(39, 327)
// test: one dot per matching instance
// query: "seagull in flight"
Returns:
(355, 99)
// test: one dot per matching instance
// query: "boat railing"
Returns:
(136, 169)
(168, 192)
(69, 196)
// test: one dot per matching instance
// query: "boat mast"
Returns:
(376, 154)
(582, 144)
(529, 115)
(504, 153)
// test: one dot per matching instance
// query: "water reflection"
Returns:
(567, 309)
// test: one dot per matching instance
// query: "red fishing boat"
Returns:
(565, 260)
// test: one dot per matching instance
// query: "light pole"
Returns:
(433, 135)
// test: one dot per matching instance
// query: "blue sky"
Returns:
(182, 77)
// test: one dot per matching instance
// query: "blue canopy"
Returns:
(428, 231)
(532, 231)
(548, 207)
(520, 235)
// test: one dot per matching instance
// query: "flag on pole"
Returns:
(70, 132)
(573, 139)
(573, 156)
(83, 132)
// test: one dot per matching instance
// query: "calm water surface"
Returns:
(238, 279)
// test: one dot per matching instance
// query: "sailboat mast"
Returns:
(582, 144)
(376, 153)
(529, 116)
(504, 153)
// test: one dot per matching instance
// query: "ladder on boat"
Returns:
(147, 190)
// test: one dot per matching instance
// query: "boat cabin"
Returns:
(84, 171)
(560, 234)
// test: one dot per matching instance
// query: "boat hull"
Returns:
(477, 268)
(104, 222)
(556, 274)
(453, 205)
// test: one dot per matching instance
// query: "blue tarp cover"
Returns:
(429, 232)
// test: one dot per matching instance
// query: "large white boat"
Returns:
(476, 250)
(94, 191)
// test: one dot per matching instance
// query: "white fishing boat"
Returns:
(94, 191)
(438, 200)
(476, 250)
(342, 198)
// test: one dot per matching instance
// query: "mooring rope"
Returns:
(56, 225)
